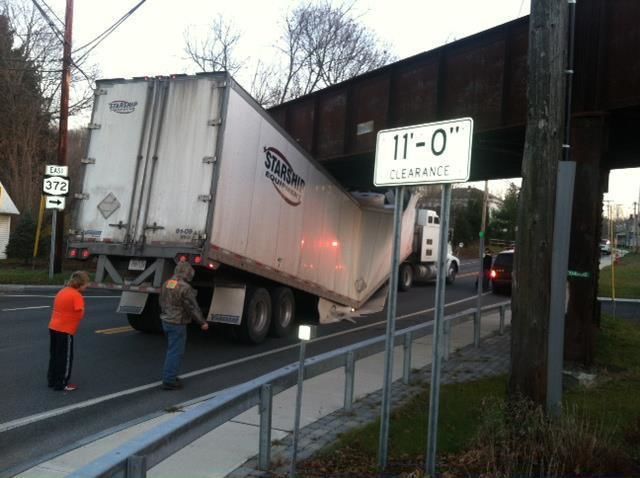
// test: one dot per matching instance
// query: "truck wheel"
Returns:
(256, 317)
(149, 320)
(283, 311)
(451, 274)
(405, 277)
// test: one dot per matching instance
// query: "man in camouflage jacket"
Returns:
(179, 307)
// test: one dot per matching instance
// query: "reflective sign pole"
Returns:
(434, 394)
(52, 251)
(391, 329)
(481, 274)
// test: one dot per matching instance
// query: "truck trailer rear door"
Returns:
(178, 191)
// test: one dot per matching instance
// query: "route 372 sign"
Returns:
(55, 186)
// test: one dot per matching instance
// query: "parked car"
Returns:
(605, 246)
(501, 272)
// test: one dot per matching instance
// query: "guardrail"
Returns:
(135, 457)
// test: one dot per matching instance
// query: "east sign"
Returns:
(432, 153)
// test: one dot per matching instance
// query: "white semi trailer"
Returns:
(192, 168)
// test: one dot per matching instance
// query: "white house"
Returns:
(7, 209)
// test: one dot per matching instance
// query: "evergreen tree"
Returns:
(24, 119)
(503, 222)
(468, 218)
(22, 239)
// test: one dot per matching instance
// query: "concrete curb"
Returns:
(29, 288)
(609, 299)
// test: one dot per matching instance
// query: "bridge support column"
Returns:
(589, 138)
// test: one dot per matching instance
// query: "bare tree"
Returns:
(217, 50)
(321, 44)
(262, 90)
(30, 76)
(41, 41)
(325, 44)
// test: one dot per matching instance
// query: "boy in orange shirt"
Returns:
(68, 311)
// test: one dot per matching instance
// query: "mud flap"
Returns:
(227, 304)
(132, 302)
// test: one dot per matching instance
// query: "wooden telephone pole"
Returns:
(548, 29)
(62, 134)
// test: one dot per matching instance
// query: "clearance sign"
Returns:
(433, 153)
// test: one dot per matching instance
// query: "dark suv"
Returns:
(501, 272)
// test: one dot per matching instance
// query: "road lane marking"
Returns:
(467, 274)
(115, 330)
(40, 296)
(28, 308)
(20, 422)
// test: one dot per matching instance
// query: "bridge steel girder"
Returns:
(482, 76)
(589, 139)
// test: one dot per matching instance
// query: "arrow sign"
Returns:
(52, 202)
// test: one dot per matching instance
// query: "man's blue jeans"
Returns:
(176, 342)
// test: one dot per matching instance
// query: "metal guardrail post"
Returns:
(296, 425)
(266, 409)
(476, 328)
(136, 467)
(503, 311)
(406, 363)
(349, 380)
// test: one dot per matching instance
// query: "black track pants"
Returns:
(60, 359)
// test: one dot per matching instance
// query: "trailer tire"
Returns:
(256, 317)
(451, 273)
(405, 277)
(283, 311)
(149, 320)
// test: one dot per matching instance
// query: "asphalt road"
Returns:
(118, 369)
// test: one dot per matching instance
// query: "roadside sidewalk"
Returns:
(230, 450)
(470, 363)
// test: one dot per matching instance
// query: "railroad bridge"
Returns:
(484, 76)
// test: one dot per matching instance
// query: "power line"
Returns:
(52, 12)
(60, 36)
(55, 29)
(97, 40)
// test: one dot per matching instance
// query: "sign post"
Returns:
(52, 248)
(438, 328)
(391, 329)
(55, 188)
(434, 153)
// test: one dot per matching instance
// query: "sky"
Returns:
(151, 42)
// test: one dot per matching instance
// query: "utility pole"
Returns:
(546, 61)
(64, 119)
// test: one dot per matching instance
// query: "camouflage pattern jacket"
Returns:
(178, 299)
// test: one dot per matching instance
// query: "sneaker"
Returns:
(70, 388)
(172, 385)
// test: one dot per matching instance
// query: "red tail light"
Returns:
(85, 253)
(197, 260)
(492, 274)
(73, 253)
